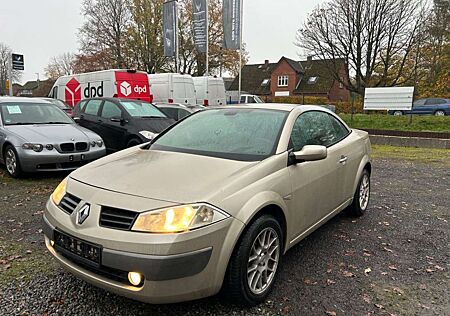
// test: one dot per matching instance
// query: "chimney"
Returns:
(266, 63)
(309, 58)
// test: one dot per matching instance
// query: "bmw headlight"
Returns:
(31, 146)
(99, 143)
(178, 218)
(148, 135)
(59, 192)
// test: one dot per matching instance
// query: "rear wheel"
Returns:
(398, 113)
(361, 197)
(254, 263)
(133, 142)
(12, 162)
(439, 113)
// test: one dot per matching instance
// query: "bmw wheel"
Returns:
(255, 261)
(12, 162)
(439, 113)
(361, 197)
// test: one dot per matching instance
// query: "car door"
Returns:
(316, 185)
(89, 115)
(113, 131)
(418, 107)
(430, 106)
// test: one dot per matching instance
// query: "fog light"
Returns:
(135, 278)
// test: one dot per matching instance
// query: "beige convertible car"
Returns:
(212, 202)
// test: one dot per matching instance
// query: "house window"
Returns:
(283, 81)
(265, 82)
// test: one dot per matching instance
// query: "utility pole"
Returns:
(177, 40)
(207, 37)
(10, 75)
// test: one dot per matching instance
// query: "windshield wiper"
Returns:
(54, 123)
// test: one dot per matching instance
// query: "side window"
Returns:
(170, 112)
(92, 107)
(81, 105)
(316, 128)
(432, 101)
(182, 113)
(251, 100)
(110, 110)
(419, 102)
(55, 92)
(243, 99)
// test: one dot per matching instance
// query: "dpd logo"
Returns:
(125, 88)
(92, 91)
(72, 92)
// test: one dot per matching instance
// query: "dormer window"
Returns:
(312, 80)
(265, 82)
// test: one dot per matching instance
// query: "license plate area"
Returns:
(77, 249)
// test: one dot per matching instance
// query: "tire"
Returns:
(12, 162)
(439, 113)
(398, 113)
(133, 142)
(238, 277)
(360, 202)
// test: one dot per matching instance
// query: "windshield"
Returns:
(141, 109)
(16, 113)
(239, 134)
(258, 100)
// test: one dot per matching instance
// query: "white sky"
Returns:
(41, 29)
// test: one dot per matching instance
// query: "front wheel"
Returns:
(439, 113)
(12, 162)
(254, 262)
(398, 113)
(133, 142)
(361, 197)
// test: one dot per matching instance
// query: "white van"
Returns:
(172, 88)
(128, 84)
(210, 91)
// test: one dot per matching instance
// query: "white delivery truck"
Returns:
(119, 83)
(210, 91)
(172, 88)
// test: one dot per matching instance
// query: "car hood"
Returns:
(167, 176)
(49, 133)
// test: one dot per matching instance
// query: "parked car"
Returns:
(61, 104)
(36, 136)
(233, 98)
(178, 111)
(172, 88)
(431, 106)
(215, 200)
(118, 83)
(121, 123)
(210, 91)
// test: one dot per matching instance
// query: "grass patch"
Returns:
(17, 264)
(426, 155)
(398, 123)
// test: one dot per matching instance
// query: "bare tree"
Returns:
(5, 55)
(376, 38)
(105, 30)
(60, 65)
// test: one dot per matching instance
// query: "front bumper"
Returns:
(176, 267)
(45, 160)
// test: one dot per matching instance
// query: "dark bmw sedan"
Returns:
(121, 123)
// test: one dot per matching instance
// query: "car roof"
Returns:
(277, 106)
(22, 100)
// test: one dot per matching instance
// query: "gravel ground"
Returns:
(393, 261)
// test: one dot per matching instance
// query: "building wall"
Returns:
(336, 92)
(283, 69)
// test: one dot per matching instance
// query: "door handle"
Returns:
(343, 159)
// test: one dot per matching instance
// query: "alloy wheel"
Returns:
(439, 113)
(11, 161)
(263, 260)
(364, 192)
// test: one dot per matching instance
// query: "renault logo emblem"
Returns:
(83, 213)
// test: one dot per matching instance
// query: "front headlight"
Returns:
(31, 146)
(148, 135)
(178, 219)
(59, 192)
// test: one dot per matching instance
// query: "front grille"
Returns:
(81, 146)
(69, 202)
(117, 218)
(67, 147)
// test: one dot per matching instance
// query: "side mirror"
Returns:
(77, 119)
(310, 153)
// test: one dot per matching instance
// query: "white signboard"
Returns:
(281, 93)
(400, 98)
